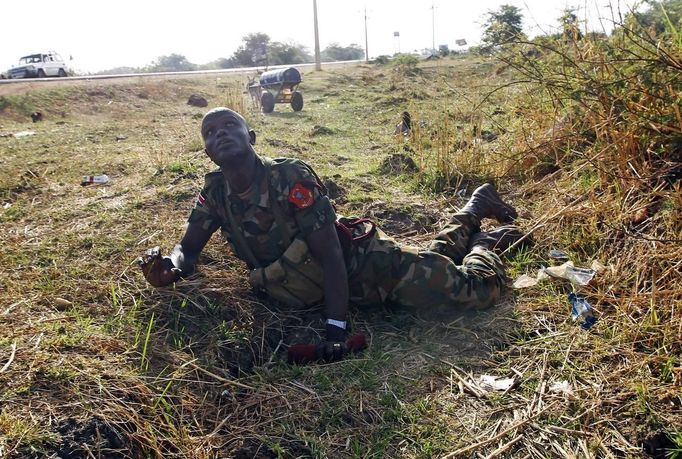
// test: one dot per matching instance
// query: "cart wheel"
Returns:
(297, 101)
(267, 102)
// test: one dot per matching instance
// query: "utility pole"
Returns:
(318, 64)
(366, 46)
(433, 28)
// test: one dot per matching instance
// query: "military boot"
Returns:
(485, 202)
(499, 239)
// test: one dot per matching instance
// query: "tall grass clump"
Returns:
(605, 117)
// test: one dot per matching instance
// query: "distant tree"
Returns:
(253, 51)
(502, 27)
(288, 53)
(223, 63)
(570, 27)
(172, 63)
(660, 17)
(336, 52)
(120, 71)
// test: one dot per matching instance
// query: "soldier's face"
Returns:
(227, 138)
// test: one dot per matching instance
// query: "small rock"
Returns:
(36, 116)
(197, 101)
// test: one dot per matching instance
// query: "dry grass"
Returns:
(95, 363)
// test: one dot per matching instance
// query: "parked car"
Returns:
(39, 66)
(4, 75)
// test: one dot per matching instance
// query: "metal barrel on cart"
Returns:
(279, 87)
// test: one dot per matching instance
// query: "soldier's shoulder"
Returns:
(213, 179)
(288, 169)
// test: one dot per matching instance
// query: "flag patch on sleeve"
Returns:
(201, 199)
(301, 196)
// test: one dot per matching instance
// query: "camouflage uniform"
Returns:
(379, 269)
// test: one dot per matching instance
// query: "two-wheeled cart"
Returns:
(278, 87)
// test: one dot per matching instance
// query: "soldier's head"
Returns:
(227, 137)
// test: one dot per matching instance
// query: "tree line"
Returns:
(501, 28)
(257, 49)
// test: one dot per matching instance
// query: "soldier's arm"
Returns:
(185, 254)
(161, 271)
(325, 247)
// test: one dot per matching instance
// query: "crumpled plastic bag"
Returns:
(567, 271)
(495, 383)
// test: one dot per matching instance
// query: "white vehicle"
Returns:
(39, 66)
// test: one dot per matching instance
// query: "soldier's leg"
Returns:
(453, 240)
(429, 279)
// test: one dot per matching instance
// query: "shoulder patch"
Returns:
(301, 196)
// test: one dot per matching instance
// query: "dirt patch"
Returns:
(321, 130)
(278, 143)
(334, 190)
(408, 218)
(398, 163)
(658, 444)
(102, 440)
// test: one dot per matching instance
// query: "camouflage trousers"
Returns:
(381, 270)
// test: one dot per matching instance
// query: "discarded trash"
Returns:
(493, 382)
(94, 179)
(558, 255)
(24, 134)
(7, 205)
(561, 387)
(598, 267)
(579, 276)
(62, 302)
(525, 281)
(580, 308)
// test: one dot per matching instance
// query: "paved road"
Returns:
(20, 85)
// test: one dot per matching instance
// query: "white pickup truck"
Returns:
(39, 66)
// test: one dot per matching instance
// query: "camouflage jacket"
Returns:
(297, 192)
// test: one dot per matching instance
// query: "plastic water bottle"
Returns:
(95, 179)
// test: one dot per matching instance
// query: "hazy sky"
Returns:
(101, 35)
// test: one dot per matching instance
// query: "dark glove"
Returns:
(159, 271)
(331, 351)
(306, 353)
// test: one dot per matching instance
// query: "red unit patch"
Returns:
(301, 196)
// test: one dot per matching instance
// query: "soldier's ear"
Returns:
(252, 137)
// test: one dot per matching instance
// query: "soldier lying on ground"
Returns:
(277, 217)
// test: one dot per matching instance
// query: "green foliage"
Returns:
(336, 52)
(405, 61)
(253, 50)
(570, 28)
(662, 19)
(172, 63)
(288, 53)
(502, 26)
(258, 49)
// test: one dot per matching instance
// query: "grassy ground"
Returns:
(95, 363)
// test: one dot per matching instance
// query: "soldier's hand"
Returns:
(159, 271)
(331, 351)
